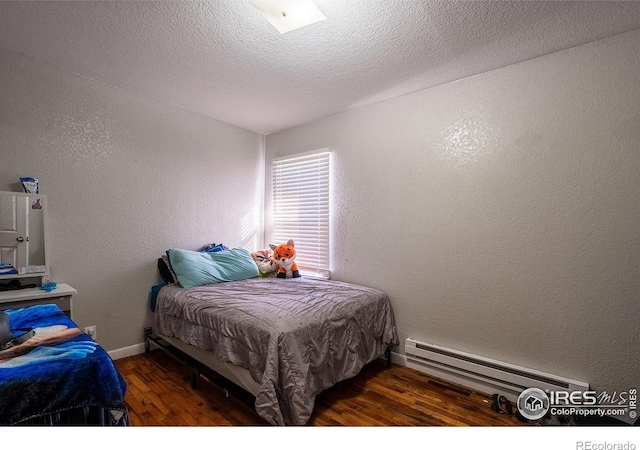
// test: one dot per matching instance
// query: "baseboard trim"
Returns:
(123, 352)
(398, 358)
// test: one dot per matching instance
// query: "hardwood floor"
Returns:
(160, 393)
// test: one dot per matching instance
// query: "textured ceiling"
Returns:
(224, 60)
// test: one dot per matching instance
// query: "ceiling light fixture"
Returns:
(289, 15)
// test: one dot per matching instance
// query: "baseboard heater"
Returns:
(482, 374)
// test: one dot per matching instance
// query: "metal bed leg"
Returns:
(147, 333)
(194, 378)
(387, 354)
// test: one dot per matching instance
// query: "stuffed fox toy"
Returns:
(285, 255)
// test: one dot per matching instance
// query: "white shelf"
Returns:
(23, 275)
(62, 290)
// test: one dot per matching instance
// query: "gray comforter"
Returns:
(296, 336)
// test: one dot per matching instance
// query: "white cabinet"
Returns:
(23, 232)
(21, 298)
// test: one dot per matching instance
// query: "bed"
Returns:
(59, 376)
(283, 340)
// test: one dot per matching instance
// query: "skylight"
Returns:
(289, 15)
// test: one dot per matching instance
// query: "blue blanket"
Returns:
(59, 369)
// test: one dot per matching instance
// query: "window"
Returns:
(301, 208)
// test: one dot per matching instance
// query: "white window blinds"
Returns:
(301, 208)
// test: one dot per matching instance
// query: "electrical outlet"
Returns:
(92, 331)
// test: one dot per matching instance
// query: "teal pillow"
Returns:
(196, 268)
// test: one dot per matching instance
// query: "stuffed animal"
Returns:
(264, 261)
(284, 255)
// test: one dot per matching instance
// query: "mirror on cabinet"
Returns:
(23, 230)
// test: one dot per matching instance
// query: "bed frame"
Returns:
(202, 369)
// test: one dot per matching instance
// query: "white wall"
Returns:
(126, 178)
(501, 212)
